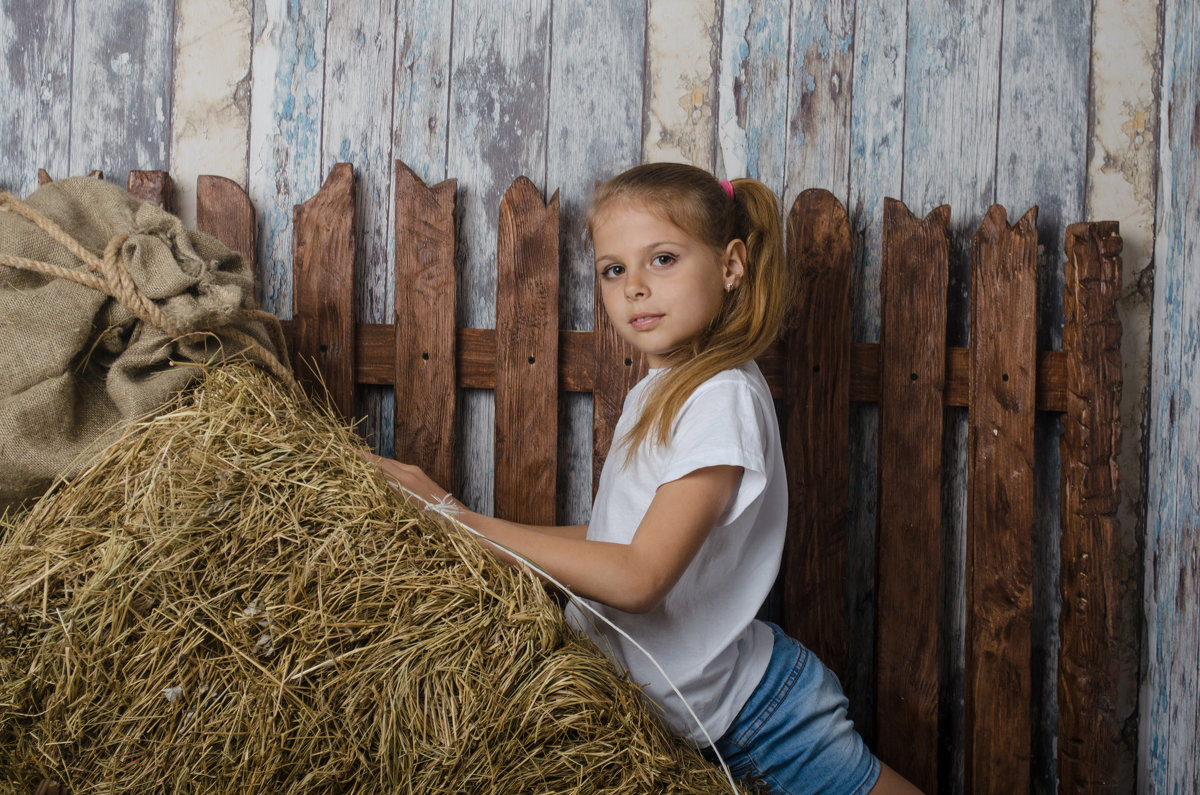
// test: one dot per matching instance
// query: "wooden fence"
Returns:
(816, 371)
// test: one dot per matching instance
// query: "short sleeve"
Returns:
(723, 423)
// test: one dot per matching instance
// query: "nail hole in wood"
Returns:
(912, 376)
(425, 356)
(531, 360)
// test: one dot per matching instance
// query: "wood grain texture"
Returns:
(817, 386)
(423, 336)
(821, 64)
(287, 81)
(151, 186)
(1090, 729)
(36, 40)
(681, 82)
(210, 121)
(912, 341)
(1171, 724)
(999, 564)
(121, 86)
(224, 210)
(527, 356)
(604, 86)
(497, 132)
(752, 92)
(323, 274)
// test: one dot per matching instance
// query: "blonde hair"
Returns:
(751, 316)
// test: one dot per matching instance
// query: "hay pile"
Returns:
(230, 600)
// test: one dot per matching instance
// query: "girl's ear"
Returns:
(733, 268)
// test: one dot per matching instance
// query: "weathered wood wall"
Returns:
(1022, 102)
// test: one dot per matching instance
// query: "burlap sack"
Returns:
(76, 363)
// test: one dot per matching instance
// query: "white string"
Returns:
(447, 508)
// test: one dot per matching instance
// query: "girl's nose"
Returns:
(635, 287)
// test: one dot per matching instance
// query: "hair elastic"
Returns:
(727, 186)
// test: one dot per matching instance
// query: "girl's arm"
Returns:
(632, 577)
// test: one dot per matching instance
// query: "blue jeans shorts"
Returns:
(793, 734)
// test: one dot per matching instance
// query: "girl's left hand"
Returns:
(415, 481)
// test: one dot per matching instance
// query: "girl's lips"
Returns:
(645, 322)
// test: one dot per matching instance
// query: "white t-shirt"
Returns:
(703, 633)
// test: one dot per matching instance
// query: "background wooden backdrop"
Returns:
(1086, 109)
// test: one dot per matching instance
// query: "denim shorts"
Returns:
(792, 734)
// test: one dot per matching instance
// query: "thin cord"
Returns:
(446, 508)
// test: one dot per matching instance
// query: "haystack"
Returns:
(230, 599)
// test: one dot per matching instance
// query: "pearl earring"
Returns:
(729, 287)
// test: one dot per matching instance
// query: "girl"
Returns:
(688, 523)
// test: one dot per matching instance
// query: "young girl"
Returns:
(688, 523)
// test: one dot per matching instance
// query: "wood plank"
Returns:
(680, 80)
(604, 87)
(752, 92)
(817, 384)
(224, 210)
(999, 563)
(497, 131)
(527, 356)
(151, 186)
(821, 67)
(35, 70)
(356, 128)
(287, 80)
(912, 340)
(423, 336)
(1090, 726)
(210, 125)
(323, 274)
(124, 83)
(1170, 720)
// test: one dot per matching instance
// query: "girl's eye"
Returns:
(612, 271)
(663, 260)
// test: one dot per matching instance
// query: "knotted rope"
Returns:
(109, 275)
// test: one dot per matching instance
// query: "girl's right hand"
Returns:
(415, 482)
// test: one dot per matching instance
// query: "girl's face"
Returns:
(661, 287)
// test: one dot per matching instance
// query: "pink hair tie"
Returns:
(727, 186)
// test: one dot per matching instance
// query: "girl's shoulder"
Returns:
(743, 376)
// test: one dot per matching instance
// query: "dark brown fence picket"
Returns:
(816, 380)
(1089, 660)
(324, 248)
(527, 356)
(1000, 510)
(424, 335)
(912, 343)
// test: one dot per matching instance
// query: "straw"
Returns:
(231, 599)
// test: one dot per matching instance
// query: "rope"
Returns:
(110, 276)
